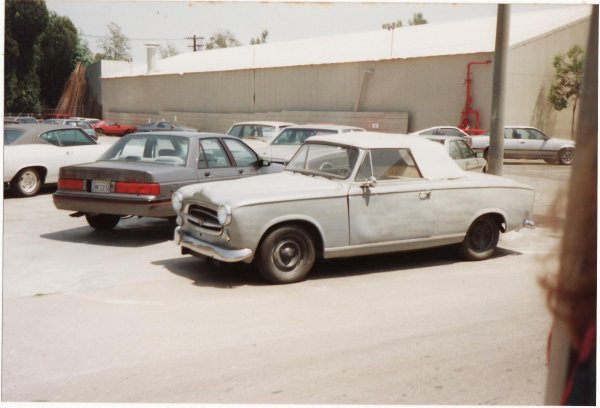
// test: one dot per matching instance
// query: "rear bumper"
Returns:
(141, 206)
(190, 243)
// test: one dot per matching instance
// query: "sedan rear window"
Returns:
(162, 149)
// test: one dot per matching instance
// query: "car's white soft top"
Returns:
(431, 157)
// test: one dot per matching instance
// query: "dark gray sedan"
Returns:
(139, 173)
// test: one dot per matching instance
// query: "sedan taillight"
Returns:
(71, 184)
(137, 188)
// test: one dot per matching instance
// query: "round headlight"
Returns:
(177, 201)
(224, 214)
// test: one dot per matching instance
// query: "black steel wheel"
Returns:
(481, 239)
(102, 221)
(286, 255)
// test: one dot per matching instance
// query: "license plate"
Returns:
(100, 186)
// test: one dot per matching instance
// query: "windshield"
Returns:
(298, 136)
(323, 159)
(150, 149)
(10, 135)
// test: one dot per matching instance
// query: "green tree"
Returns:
(57, 52)
(168, 51)
(222, 39)
(115, 46)
(24, 22)
(83, 54)
(566, 85)
(417, 19)
(260, 40)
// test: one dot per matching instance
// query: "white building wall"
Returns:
(530, 74)
(430, 90)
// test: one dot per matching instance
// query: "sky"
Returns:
(170, 23)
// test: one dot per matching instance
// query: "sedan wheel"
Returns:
(102, 221)
(565, 156)
(27, 183)
(481, 239)
(286, 255)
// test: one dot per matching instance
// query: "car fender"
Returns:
(290, 219)
(493, 210)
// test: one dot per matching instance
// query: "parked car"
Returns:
(163, 125)
(444, 131)
(84, 125)
(257, 134)
(107, 127)
(91, 121)
(33, 154)
(526, 142)
(282, 148)
(20, 119)
(140, 172)
(350, 195)
(458, 149)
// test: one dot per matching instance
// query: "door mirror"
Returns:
(370, 183)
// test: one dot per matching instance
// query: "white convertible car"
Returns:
(33, 154)
(348, 195)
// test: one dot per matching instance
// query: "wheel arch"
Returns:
(41, 169)
(310, 226)
(497, 215)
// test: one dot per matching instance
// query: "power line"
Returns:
(195, 44)
(136, 39)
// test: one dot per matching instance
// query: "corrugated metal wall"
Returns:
(424, 91)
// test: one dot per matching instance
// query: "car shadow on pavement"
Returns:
(209, 273)
(131, 233)
(45, 190)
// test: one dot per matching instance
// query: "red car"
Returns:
(107, 127)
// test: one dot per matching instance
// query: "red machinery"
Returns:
(465, 124)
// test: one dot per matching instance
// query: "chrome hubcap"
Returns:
(287, 254)
(28, 182)
(567, 156)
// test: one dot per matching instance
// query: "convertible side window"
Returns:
(364, 171)
(391, 164)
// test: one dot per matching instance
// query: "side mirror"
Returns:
(370, 183)
(264, 163)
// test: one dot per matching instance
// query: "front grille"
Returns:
(203, 217)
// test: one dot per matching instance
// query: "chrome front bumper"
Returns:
(210, 250)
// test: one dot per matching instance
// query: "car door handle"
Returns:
(241, 171)
(425, 195)
(207, 174)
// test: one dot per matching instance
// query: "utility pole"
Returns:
(496, 150)
(195, 45)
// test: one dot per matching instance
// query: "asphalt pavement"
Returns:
(122, 316)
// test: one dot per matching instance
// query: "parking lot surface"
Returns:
(121, 316)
